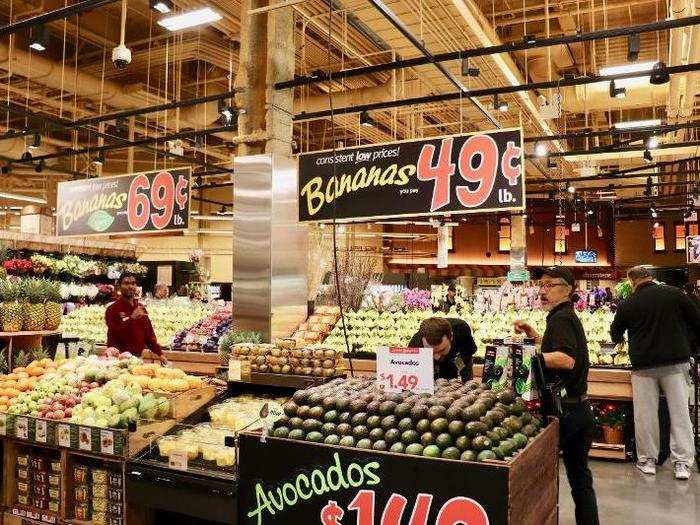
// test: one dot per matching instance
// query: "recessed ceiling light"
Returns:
(190, 19)
(540, 149)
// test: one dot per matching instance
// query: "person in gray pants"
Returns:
(658, 320)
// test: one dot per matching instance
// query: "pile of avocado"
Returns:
(464, 421)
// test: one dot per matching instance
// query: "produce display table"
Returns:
(349, 482)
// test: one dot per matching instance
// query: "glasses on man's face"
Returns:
(549, 285)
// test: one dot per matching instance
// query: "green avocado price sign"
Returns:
(467, 173)
(155, 201)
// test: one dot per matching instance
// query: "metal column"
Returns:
(270, 247)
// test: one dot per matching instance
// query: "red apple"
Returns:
(59, 414)
(69, 412)
(94, 384)
(49, 415)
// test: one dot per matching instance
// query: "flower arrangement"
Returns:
(610, 415)
(416, 299)
(18, 266)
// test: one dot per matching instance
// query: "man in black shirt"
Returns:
(452, 343)
(565, 354)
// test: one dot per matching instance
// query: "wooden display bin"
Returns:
(317, 480)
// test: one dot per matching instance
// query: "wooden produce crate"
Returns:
(182, 404)
(318, 480)
(197, 363)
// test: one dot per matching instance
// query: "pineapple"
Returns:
(21, 359)
(33, 296)
(39, 354)
(54, 308)
(10, 307)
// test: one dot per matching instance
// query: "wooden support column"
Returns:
(266, 57)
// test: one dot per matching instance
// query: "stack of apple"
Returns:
(51, 399)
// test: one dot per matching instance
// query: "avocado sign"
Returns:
(291, 482)
(457, 174)
(153, 201)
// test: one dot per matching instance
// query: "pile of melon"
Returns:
(22, 379)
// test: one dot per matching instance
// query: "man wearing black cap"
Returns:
(565, 354)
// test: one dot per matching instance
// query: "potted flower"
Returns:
(611, 419)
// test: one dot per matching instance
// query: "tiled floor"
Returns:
(628, 497)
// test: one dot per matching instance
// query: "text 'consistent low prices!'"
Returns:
(154, 201)
(457, 174)
(405, 369)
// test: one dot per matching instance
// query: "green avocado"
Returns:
(463, 443)
(451, 453)
(333, 439)
(444, 440)
(485, 455)
(364, 443)
(315, 437)
(468, 455)
(347, 441)
(281, 432)
(379, 445)
(409, 436)
(414, 449)
(392, 435)
(296, 433)
(481, 443)
(397, 448)
(423, 426)
(431, 451)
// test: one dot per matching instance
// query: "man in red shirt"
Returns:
(128, 327)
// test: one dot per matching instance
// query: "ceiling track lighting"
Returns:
(571, 189)
(633, 45)
(199, 141)
(652, 142)
(469, 71)
(39, 166)
(99, 159)
(500, 105)
(530, 39)
(647, 156)
(656, 224)
(39, 39)
(26, 156)
(36, 142)
(551, 164)
(162, 6)
(366, 119)
(617, 92)
(659, 74)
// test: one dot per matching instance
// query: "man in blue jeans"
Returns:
(565, 354)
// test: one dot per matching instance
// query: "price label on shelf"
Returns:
(401, 369)
(178, 459)
(107, 442)
(85, 438)
(21, 428)
(40, 430)
(63, 433)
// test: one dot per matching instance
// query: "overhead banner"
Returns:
(154, 201)
(457, 174)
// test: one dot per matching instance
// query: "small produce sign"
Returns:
(144, 202)
(457, 174)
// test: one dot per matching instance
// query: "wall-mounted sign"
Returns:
(692, 249)
(457, 174)
(154, 201)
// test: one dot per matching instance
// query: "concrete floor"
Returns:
(627, 497)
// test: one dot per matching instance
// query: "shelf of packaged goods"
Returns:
(607, 451)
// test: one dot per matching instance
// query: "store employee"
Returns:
(565, 354)
(128, 327)
(452, 343)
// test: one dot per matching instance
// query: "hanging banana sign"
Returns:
(155, 201)
(457, 174)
